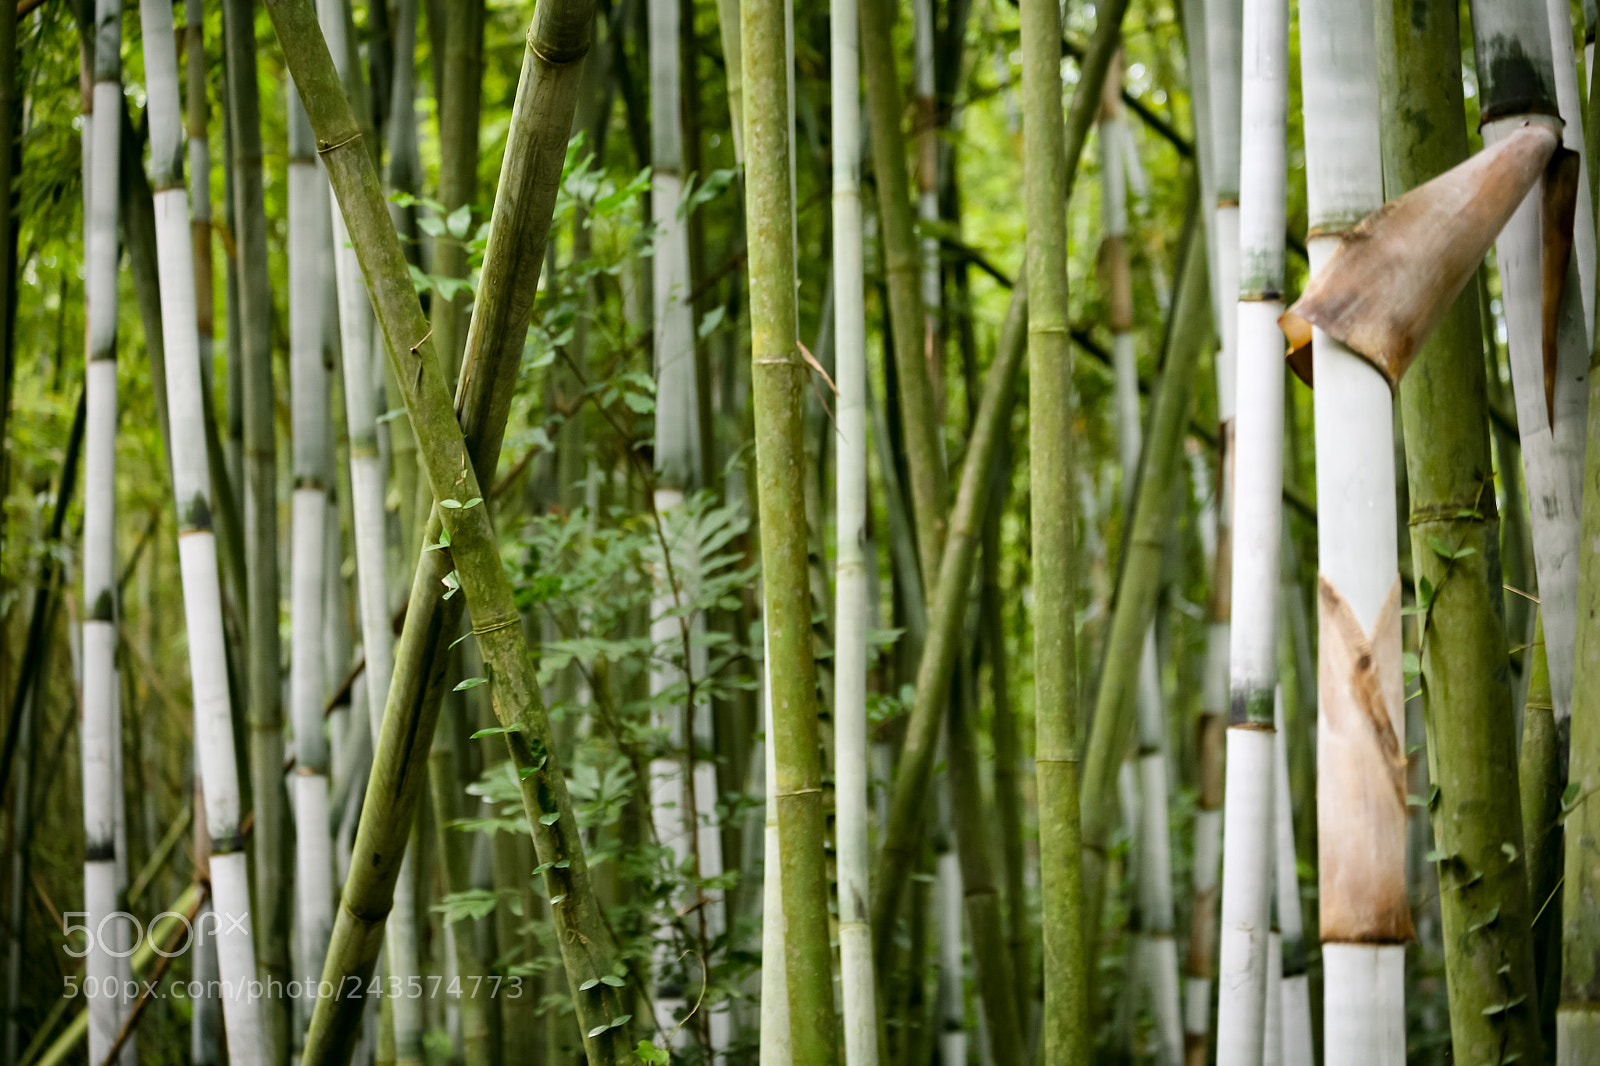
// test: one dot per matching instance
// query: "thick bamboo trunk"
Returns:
(1065, 1038)
(543, 111)
(1365, 915)
(1257, 523)
(202, 593)
(459, 83)
(1472, 746)
(850, 574)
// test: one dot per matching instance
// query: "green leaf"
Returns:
(558, 899)
(612, 981)
(590, 983)
(1510, 851)
(470, 504)
(550, 819)
(458, 221)
(1411, 665)
(620, 1020)
(470, 683)
(651, 1055)
(1436, 856)
(1488, 920)
(494, 731)
(597, 1030)
(1416, 801)
(1569, 796)
(454, 505)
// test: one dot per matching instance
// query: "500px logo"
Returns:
(119, 933)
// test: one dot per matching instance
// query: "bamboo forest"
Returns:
(799, 533)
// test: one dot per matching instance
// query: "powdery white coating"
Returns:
(1571, 107)
(236, 957)
(1339, 93)
(776, 1042)
(1197, 1005)
(100, 903)
(1272, 1026)
(205, 1026)
(1552, 457)
(1297, 1046)
(1155, 891)
(405, 958)
(313, 883)
(1224, 44)
(948, 902)
(1364, 1004)
(1246, 897)
(858, 983)
(1258, 495)
(1356, 526)
(1577, 1035)
(1129, 436)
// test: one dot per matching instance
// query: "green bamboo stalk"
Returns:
(1472, 743)
(460, 91)
(1539, 780)
(541, 119)
(778, 381)
(1138, 580)
(902, 259)
(1008, 750)
(1046, 185)
(263, 686)
(1578, 1019)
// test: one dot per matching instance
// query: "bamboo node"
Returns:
(485, 630)
(324, 147)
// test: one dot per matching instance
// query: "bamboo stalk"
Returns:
(1472, 749)
(259, 486)
(558, 39)
(1578, 1017)
(1257, 522)
(1294, 1027)
(308, 382)
(777, 379)
(851, 577)
(1209, 739)
(459, 79)
(1365, 916)
(101, 801)
(1551, 407)
(236, 950)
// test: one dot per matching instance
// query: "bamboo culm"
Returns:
(1248, 823)
(100, 755)
(1365, 914)
(308, 390)
(850, 573)
(202, 594)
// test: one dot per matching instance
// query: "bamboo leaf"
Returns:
(472, 683)
(1488, 920)
(550, 819)
(494, 731)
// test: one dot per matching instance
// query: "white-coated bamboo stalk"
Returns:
(97, 747)
(202, 595)
(776, 1041)
(308, 381)
(948, 901)
(1551, 436)
(1570, 103)
(850, 572)
(1296, 991)
(361, 427)
(1257, 522)
(1365, 915)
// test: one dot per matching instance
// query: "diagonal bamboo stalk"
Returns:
(542, 117)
